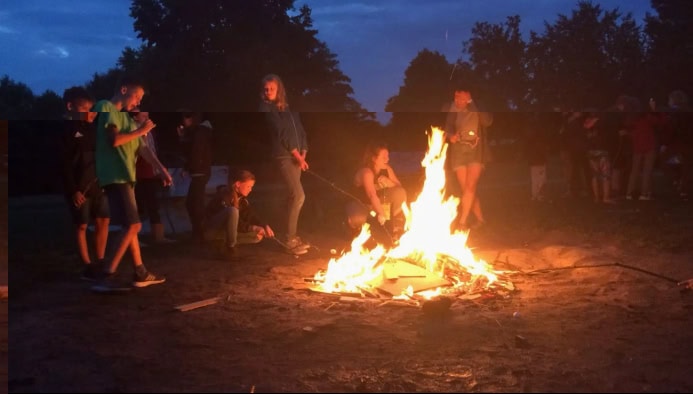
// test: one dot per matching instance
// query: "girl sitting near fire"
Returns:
(380, 190)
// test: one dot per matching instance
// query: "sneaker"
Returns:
(645, 197)
(303, 244)
(296, 247)
(107, 283)
(91, 272)
(147, 279)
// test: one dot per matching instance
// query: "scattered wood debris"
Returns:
(197, 304)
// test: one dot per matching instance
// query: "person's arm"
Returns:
(485, 118)
(368, 184)
(70, 158)
(256, 225)
(303, 138)
(450, 131)
(117, 138)
(393, 177)
(296, 140)
(300, 159)
(151, 158)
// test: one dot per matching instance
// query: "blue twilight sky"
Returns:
(53, 44)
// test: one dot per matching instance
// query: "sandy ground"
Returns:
(605, 316)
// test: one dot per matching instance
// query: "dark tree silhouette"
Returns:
(670, 44)
(585, 59)
(213, 56)
(419, 102)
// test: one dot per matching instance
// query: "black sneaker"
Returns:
(147, 279)
(91, 272)
(107, 283)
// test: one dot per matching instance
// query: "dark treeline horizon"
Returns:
(213, 58)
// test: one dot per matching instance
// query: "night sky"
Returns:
(56, 44)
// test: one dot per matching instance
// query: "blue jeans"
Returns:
(225, 224)
(291, 174)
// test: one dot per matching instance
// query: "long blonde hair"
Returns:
(281, 102)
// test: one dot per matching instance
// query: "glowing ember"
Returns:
(444, 263)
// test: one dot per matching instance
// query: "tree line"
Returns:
(211, 58)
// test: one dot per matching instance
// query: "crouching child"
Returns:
(231, 218)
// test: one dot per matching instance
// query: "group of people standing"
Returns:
(110, 161)
(113, 174)
(612, 154)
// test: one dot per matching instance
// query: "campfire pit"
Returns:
(429, 261)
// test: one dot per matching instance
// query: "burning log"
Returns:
(400, 303)
(352, 300)
(429, 260)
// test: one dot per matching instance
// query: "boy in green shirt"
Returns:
(118, 144)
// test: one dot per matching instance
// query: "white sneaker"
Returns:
(296, 247)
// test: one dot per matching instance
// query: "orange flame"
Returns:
(427, 241)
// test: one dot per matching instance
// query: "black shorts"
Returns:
(121, 200)
(94, 207)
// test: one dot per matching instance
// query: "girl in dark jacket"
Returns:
(289, 149)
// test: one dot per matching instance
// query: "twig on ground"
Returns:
(198, 304)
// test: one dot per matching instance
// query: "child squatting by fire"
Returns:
(229, 215)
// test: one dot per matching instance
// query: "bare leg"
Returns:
(129, 236)
(101, 237)
(135, 251)
(595, 188)
(476, 210)
(473, 172)
(81, 235)
(606, 184)
(461, 175)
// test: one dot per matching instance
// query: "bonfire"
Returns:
(430, 260)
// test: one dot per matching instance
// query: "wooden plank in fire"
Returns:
(398, 286)
(347, 299)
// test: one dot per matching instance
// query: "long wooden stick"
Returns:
(198, 304)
